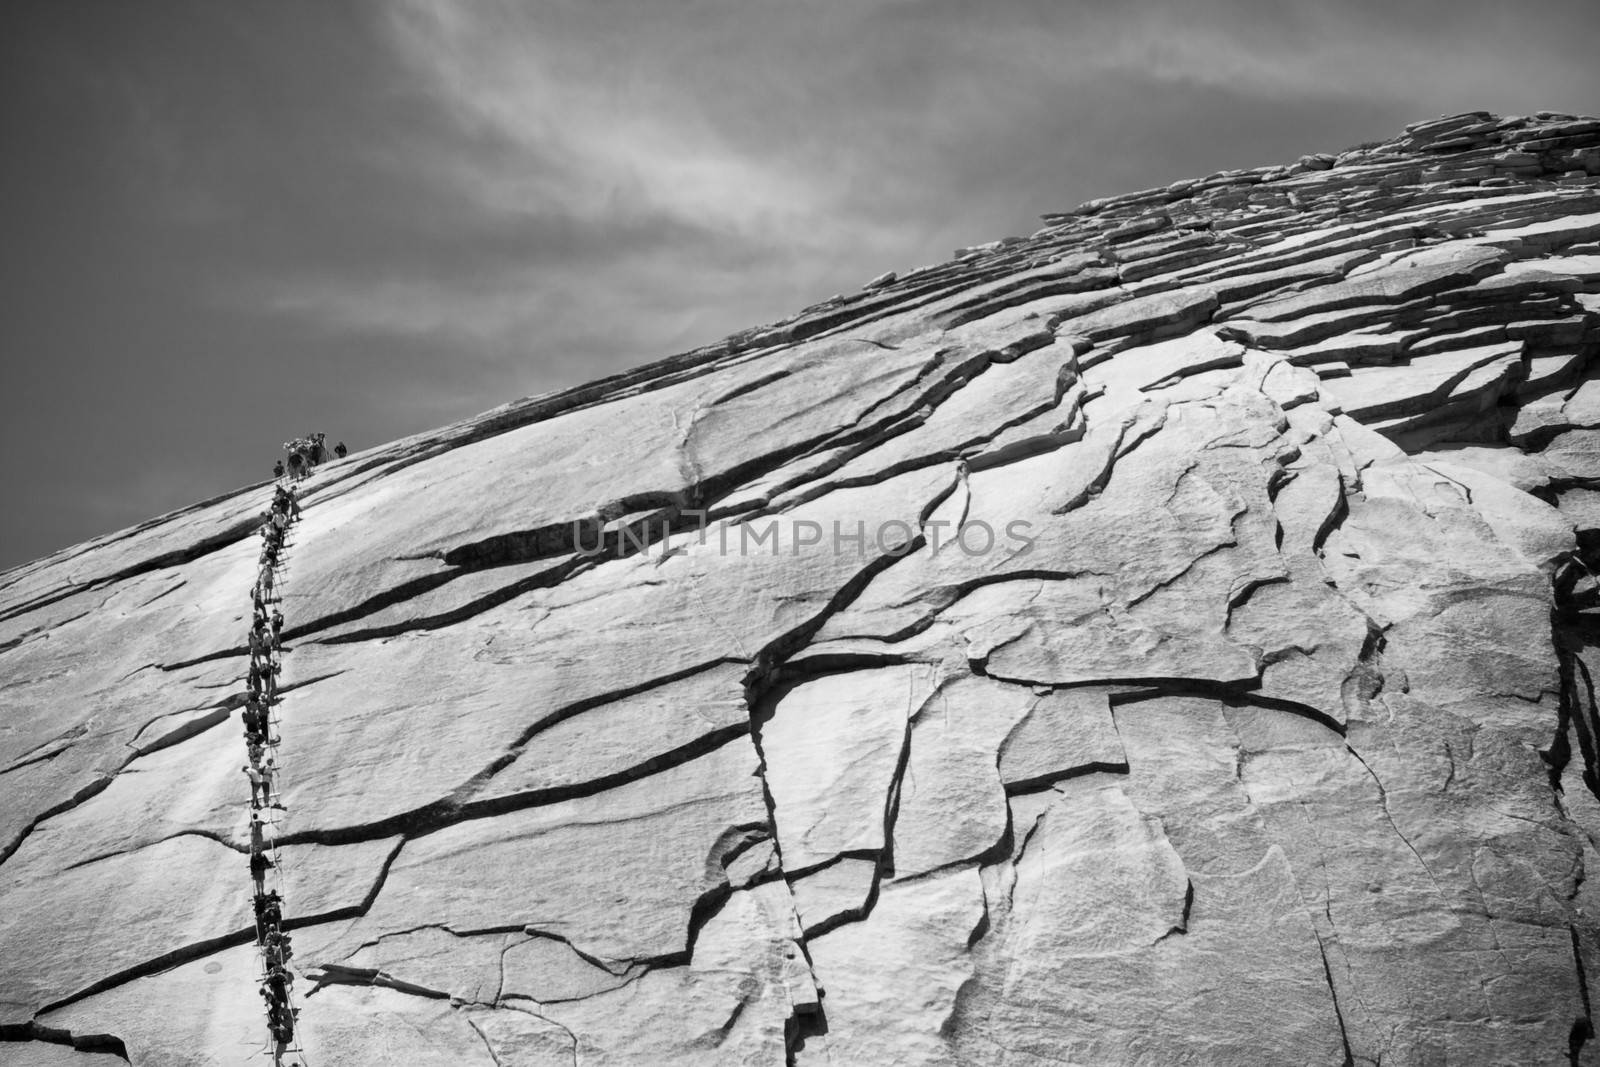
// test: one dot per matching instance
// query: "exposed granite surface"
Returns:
(1262, 733)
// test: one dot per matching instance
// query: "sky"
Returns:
(225, 224)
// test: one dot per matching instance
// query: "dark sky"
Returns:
(225, 224)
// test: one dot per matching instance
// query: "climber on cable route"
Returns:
(258, 785)
(258, 833)
(260, 864)
(264, 583)
(280, 1017)
(269, 909)
(269, 778)
(305, 453)
(284, 500)
(278, 949)
(255, 718)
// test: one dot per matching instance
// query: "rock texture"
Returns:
(1165, 638)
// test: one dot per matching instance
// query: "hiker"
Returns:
(269, 908)
(261, 679)
(257, 725)
(258, 840)
(277, 469)
(269, 778)
(278, 951)
(280, 1017)
(279, 980)
(340, 451)
(259, 866)
(285, 946)
(275, 990)
(258, 785)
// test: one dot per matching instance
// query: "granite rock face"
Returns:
(1165, 638)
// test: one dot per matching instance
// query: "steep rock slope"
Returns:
(1249, 720)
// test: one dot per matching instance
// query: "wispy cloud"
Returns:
(578, 145)
(621, 175)
(615, 217)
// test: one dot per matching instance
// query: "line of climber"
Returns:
(305, 453)
(261, 734)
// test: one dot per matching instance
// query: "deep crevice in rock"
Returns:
(108, 1044)
(1582, 1028)
(446, 812)
(1333, 997)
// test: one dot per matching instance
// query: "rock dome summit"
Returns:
(1167, 638)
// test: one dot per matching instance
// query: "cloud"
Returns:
(623, 180)
(1325, 49)
(584, 146)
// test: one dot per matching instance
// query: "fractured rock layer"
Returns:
(1165, 638)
